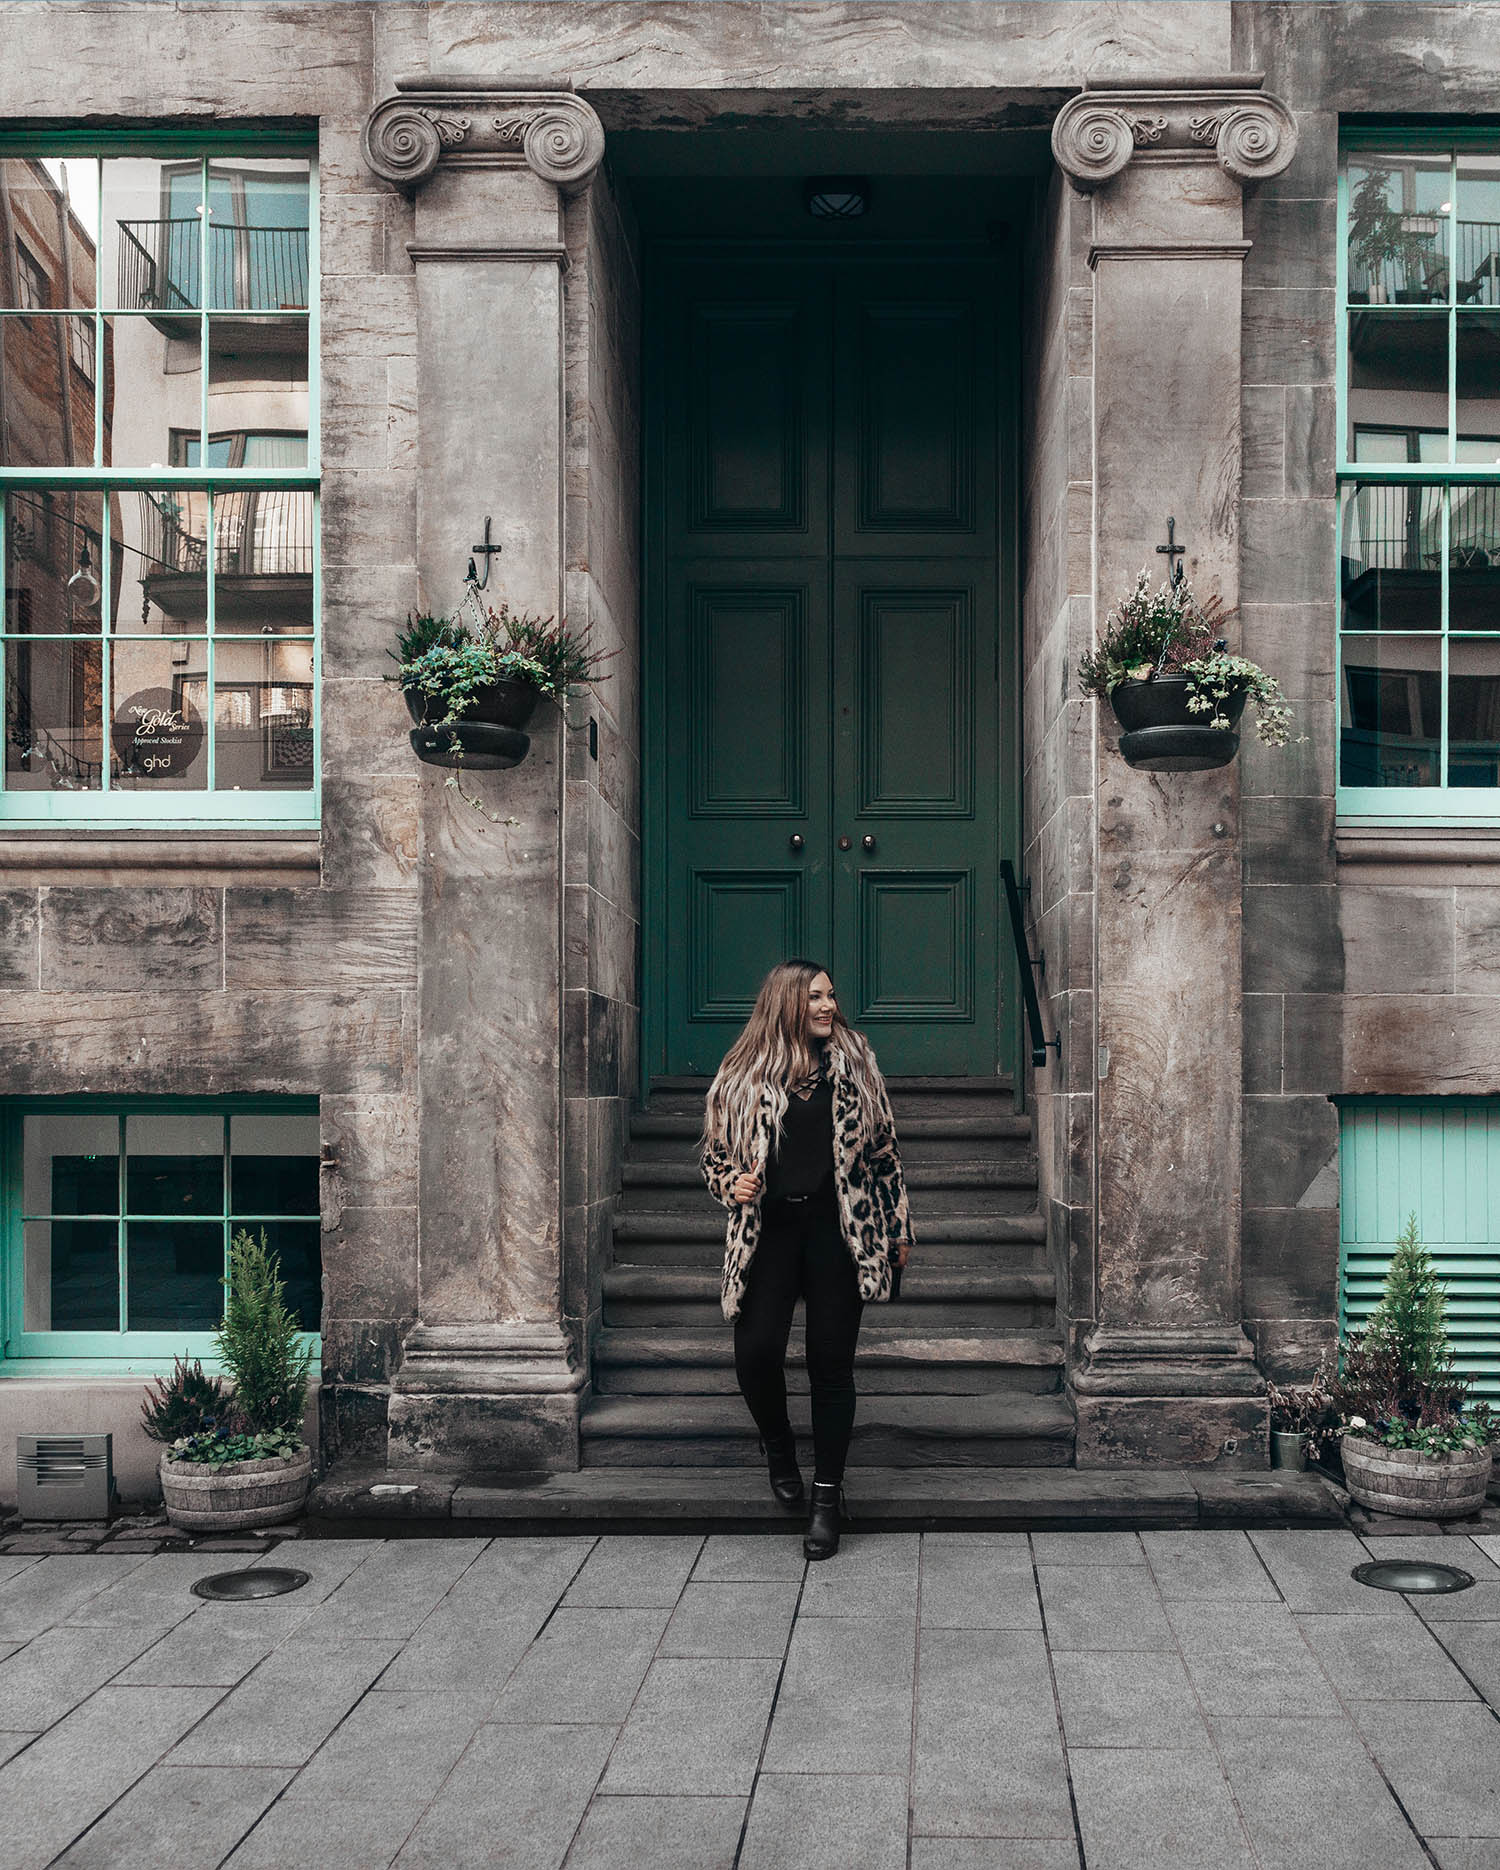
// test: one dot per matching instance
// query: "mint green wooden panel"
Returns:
(1439, 1159)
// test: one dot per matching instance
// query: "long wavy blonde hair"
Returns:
(774, 1053)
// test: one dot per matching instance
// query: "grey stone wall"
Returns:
(1059, 728)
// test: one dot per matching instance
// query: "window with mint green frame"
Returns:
(118, 1216)
(1418, 376)
(160, 580)
(1437, 1158)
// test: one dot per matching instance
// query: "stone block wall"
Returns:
(1058, 726)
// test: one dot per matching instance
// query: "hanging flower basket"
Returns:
(487, 739)
(1162, 735)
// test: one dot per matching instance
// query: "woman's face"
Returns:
(820, 1006)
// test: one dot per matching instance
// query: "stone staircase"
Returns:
(964, 1371)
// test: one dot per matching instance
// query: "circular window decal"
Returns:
(156, 735)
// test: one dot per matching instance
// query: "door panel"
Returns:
(826, 623)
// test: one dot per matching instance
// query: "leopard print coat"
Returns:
(867, 1175)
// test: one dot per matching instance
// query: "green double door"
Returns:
(823, 645)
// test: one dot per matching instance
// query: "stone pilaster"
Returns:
(1170, 1375)
(489, 1376)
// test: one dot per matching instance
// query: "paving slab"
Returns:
(666, 1833)
(625, 1573)
(1465, 1853)
(1383, 1659)
(1442, 1760)
(157, 1593)
(1087, 1548)
(12, 1744)
(732, 1620)
(54, 1589)
(509, 1573)
(820, 1821)
(58, 1669)
(587, 1665)
(1442, 1549)
(451, 1650)
(197, 1653)
(1313, 1571)
(1156, 1811)
(1250, 1659)
(54, 1791)
(515, 1797)
(845, 1704)
(1089, 1607)
(178, 1818)
(283, 1711)
(989, 1759)
(1308, 1793)
(395, 1588)
(697, 1726)
(1479, 1604)
(750, 1558)
(872, 1572)
(987, 1586)
(1475, 1649)
(1219, 1567)
(12, 1564)
(993, 1854)
(364, 1790)
(1127, 1699)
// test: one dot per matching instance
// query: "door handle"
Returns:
(868, 842)
(795, 840)
(845, 842)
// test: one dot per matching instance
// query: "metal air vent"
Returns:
(65, 1476)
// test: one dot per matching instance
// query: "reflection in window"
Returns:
(1399, 211)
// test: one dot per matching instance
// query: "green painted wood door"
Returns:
(823, 642)
(1437, 1158)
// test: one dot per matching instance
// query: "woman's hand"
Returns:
(903, 1254)
(745, 1189)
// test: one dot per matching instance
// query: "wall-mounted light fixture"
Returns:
(836, 197)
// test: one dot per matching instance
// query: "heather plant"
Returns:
(1307, 1409)
(186, 1403)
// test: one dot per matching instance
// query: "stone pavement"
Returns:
(942, 1701)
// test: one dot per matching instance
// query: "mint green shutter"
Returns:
(1440, 1160)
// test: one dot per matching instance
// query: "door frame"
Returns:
(1003, 260)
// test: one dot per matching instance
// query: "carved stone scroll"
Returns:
(554, 133)
(1100, 132)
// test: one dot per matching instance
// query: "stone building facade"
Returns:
(521, 221)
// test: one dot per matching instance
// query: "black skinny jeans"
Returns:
(801, 1253)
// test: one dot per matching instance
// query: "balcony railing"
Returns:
(258, 532)
(250, 269)
(1419, 274)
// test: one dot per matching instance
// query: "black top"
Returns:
(804, 1160)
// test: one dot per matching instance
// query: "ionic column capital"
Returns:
(1250, 133)
(493, 125)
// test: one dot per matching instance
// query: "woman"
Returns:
(800, 1146)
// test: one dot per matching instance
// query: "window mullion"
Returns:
(1443, 685)
(123, 1231)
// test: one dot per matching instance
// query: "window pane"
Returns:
(50, 208)
(299, 1247)
(1478, 380)
(162, 551)
(1391, 727)
(257, 383)
(158, 734)
(53, 561)
(152, 229)
(1478, 231)
(1474, 712)
(1385, 445)
(1398, 229)
(174, 1164)
(153, 385)
(48, 404)
(1390, 552)
(258, 234)
(263, 534)
(274, 1164)
(263, 713)
(1474, 558)
(174, 1269)
(70, 1164)
(72, 1276)
(1398, 372)
(53, 715)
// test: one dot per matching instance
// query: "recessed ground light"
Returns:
(1412, 1574)
(236, 1586)
(836, 197)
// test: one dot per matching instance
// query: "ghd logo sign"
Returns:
(156, 737)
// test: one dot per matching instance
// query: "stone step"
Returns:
(911, 1098)
(980, 1298)
(663, 1128)
(1017, 1256)
(643, 1224)
(927, 1204)
(1015, 1169)
(1007, 1429)
(890, 1362)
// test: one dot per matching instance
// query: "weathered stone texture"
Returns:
(131, 941)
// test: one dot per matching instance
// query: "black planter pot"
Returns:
(488, 736)
(1161, 735)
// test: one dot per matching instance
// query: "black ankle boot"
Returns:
(822, 1539)
(786, 1476)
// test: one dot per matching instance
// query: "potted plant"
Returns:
(1175, 688)
(472, 682)
(1381, 236)
(238, 1460)
(1304, 1419)
(1412, 1442)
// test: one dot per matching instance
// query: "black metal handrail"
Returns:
(250, 268)
(1024, 964)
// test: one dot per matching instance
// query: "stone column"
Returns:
(1170, 1375)
(489, 1377)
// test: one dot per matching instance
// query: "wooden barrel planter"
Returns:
(237, 1496)
(1420, 1486)
(1163, 735)
(488, 735)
